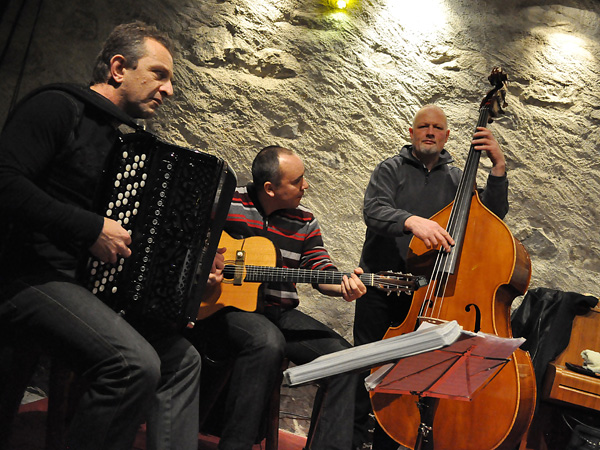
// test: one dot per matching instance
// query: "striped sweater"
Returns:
(294, 232)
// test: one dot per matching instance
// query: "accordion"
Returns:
(173, 202)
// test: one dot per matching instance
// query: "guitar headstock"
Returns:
(399, 282)
(495, 99)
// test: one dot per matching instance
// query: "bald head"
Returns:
(434, 109)
(429, 134)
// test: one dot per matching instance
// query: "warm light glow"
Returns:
(564, 48)
(423, 17)
(563, 55)
(338, 4)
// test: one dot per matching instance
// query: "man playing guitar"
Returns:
(270, 207)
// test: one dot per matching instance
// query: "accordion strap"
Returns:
(89, 97)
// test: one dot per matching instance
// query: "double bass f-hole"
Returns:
(468, 308)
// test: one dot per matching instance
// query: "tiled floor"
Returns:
(29, 432)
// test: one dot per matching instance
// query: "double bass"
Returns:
(474, 284)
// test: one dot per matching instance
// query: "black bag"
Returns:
(584, 437)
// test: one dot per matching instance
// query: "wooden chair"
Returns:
(565, 392)
(215, 377)
(564, 386)
(18, 367)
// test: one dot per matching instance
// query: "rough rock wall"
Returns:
(341, 90)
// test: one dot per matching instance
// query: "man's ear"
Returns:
(269, 188)
(117, 68)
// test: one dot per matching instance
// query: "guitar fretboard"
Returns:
(260, 274)
(278, 274)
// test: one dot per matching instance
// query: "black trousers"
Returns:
(374, 313)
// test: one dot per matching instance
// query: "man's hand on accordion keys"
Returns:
(112, 242)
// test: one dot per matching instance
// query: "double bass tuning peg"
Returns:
(495, 100)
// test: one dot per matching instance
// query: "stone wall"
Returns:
(341, 88)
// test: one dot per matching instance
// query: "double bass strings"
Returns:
(432, 292)
(457, 223)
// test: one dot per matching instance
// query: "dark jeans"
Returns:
(259, 345)
(375, 312)
(131, 378)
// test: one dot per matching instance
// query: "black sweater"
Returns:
(401, 187)
(52, 151)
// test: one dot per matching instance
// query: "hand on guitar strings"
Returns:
(350, 288)
(216, 271)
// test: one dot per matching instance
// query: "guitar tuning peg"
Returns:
(388, 293)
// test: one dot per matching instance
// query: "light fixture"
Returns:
(338, 4)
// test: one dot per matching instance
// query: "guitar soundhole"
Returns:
(229, 271)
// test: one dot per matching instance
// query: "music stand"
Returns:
(455, 372)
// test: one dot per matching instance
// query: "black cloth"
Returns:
(52, 151)
(545, 319)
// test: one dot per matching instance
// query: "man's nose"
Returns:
(167, 88)
(304, 185)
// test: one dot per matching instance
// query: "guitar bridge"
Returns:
(240, 261)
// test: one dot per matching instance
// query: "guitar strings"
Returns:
(284, 274)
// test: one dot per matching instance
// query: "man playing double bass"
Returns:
(403, 192)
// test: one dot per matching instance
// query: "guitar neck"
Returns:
(261, 274)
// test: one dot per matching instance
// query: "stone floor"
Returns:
(29, 430)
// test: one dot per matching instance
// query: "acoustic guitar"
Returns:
(253, 260)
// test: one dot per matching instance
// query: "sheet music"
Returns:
(426, 338)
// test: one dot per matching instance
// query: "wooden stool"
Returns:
(17, 369)
(215, 377)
